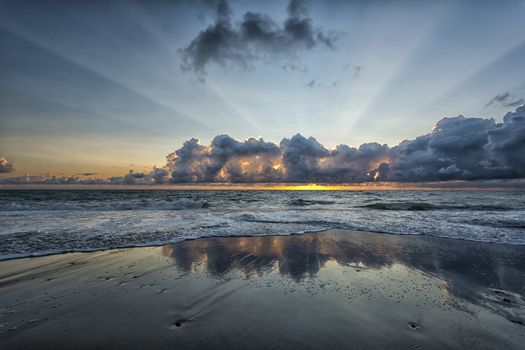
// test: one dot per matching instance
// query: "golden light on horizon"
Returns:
(312, 187)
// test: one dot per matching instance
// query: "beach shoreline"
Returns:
(340, 289)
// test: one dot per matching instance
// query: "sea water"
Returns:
(39, 222)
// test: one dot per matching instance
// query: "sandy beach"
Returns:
(336, 289)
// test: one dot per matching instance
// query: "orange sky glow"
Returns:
(375, 186)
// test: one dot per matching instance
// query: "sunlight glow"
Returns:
(365, 186)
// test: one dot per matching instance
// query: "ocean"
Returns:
(41, 222)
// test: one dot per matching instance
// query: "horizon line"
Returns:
(473, 185)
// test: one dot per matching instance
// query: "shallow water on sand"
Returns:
(336, 289)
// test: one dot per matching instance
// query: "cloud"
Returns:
(51, 180)
(5, 166)
(357, 71)
(316, 84)
(130, 178)
(225, 159)
(312, 84)
(507, 141)
(503, 100)
(159, 175)
(257, 35)
(86, 174)
(452, 151)
(516, 103)
(457, 148)
(294, 67)
(498, 99)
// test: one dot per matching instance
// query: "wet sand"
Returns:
(336, 289)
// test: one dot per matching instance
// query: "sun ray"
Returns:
(81, 62)
(366, 99)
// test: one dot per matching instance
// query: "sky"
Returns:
(101, 88)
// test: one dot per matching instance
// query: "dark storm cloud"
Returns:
(306, 160)
(257, 35)
(131, 178)
(5, 166)
(297, 159)
(224, 159)
(453, 150)
(458, 148)
(507, 141)
(159, 175)
(301, 156)
(504, 100)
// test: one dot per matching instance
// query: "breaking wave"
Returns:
(428, 206)
(304, 202)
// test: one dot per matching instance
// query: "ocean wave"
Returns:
(304, 202)
(422, 206)
(509, 223)
(284, 221)
(180, 204)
